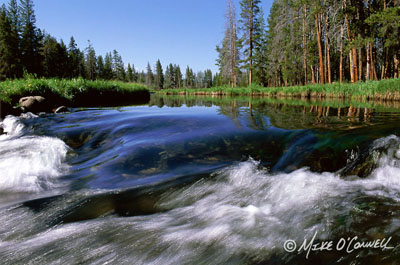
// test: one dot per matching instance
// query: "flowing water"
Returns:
(202, 181)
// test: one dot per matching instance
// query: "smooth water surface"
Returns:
(200, 181)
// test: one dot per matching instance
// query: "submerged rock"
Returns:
(34, 104)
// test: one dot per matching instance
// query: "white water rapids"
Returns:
(242, 214)
(29, 163)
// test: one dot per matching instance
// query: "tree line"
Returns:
(310, 41)
(26, 49)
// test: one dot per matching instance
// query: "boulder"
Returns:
(34, 104)
(1, 131)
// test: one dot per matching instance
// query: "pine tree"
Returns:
(108, 70)
(55, 57)
(9, 63)
(208, 78)
(387, 26)
(168, 78)
(142, 77)
(14, 15)
(73, 59)
(62, 58)
(30, 43)
(172, 76)
(177, 76)
(90, 63)
(129, 73)
(228, 53)
(223, 60)
(135, 75)
(189, 78)
(249, 15)
(159, 78)
(118, 66)
(149, 76)
(261, 52)
(100, 67)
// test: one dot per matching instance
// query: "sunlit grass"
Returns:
(383, 89)
(68, 89)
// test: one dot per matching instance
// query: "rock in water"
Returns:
(33, 104)
(61, 109)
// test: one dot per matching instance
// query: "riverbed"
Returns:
(202, 180)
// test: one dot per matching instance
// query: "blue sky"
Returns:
(184, 32)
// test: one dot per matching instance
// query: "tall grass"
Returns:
(383, 89)
(67, 90)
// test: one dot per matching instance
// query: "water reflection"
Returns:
(290, 114)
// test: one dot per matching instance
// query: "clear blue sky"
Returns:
(184, 32)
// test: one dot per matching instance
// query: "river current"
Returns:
(201, 181)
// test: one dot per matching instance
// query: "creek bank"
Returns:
(72, 93)
(53, 103)
(383, 90)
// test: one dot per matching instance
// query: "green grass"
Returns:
(68, 90)
(382, 90)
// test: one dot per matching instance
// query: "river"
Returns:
(202, 180)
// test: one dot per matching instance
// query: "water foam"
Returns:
(29, 163)
(243, 213)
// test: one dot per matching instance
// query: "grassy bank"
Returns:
(377, 90)
(74, 92)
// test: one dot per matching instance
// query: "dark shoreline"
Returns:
(87, 99)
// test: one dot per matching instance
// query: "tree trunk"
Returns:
(368, 73)
(232, 25)
(325, 61)
(355, 68)
(328, 56)
(360, 64)
(367, 50)
(353, 53)
(312, 75)
(386, 63)
(251, 46)
(321, 62)
(373, 70)
(305, 45)
(351, 67)
(341, 53)
(384, 67)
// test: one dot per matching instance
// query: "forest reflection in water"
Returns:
(291, 114)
